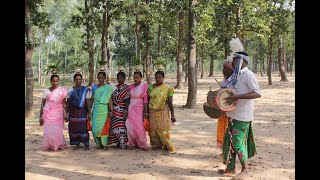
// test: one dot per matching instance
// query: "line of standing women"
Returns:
(126, 106)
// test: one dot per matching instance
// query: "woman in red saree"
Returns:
(52, 115)
(120, 99)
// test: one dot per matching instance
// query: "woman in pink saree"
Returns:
(137, 108)
(53, 114)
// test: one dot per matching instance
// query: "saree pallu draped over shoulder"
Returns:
(53, 117)
(118, 130)
(101, 98)
(159, 118)
(134, 122)
(78, 116)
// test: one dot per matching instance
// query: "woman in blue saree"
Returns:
(79, 108)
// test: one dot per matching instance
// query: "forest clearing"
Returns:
(190, 41)
(194, 138)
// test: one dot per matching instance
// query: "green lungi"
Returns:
(239, 140)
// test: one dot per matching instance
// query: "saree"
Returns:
(118, 131)
(101, 98)
(239, 141)
(159, 118)
(221, 129)
(53, 117)
(78, 116)
(134, 123)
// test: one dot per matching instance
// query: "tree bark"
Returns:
(47, 62)
(109, 56)
(238, 22)
(28, 65)
(201, 61)
(91, 51)
(130, 68)
(261, 66)
(147, 57)
(138, 35)
(187, 63)
(65, 61)
(280, 61)
(270, 61)
(226, 50)
(192, 74)
(40, 57)
(104, 24)
(255, 65)
(159, 41)
(211, 66)
(284, 55)
(179, 54)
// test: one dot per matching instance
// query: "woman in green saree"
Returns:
(102, 105)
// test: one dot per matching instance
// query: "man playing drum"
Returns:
(239, 140)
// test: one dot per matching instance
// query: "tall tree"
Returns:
(28, 65)
(148, 42)
(90, 38)
(137, 32)
(269, 61)
(32, 17)
(179, 51)
(192, 62)
(280, 60)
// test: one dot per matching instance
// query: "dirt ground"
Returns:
(195, 141)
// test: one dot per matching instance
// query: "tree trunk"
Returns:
(201, 61)
(192, 74)
(255, 65)
(109, 65)
(47, 63)
(261, 66)
(159, 41)
(40, 57)
(270, 61)
(91, 51)
(95, 62)
(280, 61)
(65, 61)
(88, 28)
(179, 54)
(284, 55)
(238, 22)
(187, 63)
(226, 50)
(147, 57)
(103, 44)
(138, 35)
(28, 65)
(138, 38)
(130, 68)
(211, 66)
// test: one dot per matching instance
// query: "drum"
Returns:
(211, 111)
(216, 99)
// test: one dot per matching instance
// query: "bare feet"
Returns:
(242, 176)
(76, 147)
(226, 172)
(156, 148)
